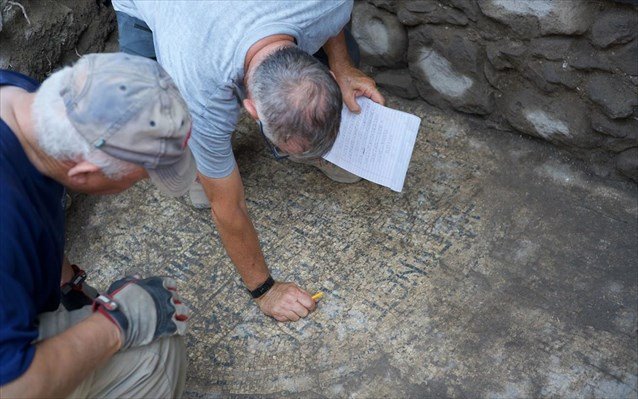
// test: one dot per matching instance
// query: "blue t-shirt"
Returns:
(31, 246)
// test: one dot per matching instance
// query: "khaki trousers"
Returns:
(156, 370)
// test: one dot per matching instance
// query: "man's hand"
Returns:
(354, 83)
(286, 302)
(144, 310)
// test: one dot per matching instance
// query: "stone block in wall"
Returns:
(415, 12)
(621, 134)
(381, 37)
(494, 76)
(576, 52)
(388, 5)
(506, 54)
(397, 82)
(614, 95)
(627, 163)
(559, 73)
(623, 128)
(552, 48)
(469, 7)
(530, 18)
(625, 57)
(614, 26)
(582, 55)
(534, 71)
(447, 66)
(549, 75)
(560, 119)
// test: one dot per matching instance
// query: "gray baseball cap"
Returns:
(130, 108)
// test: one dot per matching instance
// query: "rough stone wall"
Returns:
(37, 36)
(564, 71)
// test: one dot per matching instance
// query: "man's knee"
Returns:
(165, 364)
(156, 370)
(135, 37)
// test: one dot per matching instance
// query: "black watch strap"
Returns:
(262, 289)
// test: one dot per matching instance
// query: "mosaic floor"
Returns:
(503, 269)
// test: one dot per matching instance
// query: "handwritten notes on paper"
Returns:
(376, 144)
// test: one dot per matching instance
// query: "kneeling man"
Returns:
(98, 127)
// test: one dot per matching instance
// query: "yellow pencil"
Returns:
(317, 296)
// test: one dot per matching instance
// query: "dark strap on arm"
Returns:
(262, 289)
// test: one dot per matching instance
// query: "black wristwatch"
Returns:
(263, 288)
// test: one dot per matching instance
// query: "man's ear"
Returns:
(249, 104)
(81, 171)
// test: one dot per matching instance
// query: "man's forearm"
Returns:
(337, 51)
(62, 362)
(283, 301)
(240, 240)
(228, 206)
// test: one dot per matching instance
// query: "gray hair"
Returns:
(297, 99)
(57, 136)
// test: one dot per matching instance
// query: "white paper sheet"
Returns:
(376, 144)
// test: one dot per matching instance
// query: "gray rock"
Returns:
(438, 80)
(615, 145)
(397, 82)
(441, 75)
(624, 128)
(627, 163)
(454, 44)
(522, 24)
(621, 134)
(556, 72)
(469, 7)
(535, 72)
(560, 119)
(505, 54)
(625, 58)
(447, 66)
(614, 26)
(616, 98)
(421, 6)
(550, 48)
(382, 39)
(584, 56)
(565, 17)
(416, 12)
(493, 75)
(388, 5)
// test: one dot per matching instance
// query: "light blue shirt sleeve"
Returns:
(211, 139)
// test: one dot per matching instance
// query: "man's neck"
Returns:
(262, 49)
(24, 131)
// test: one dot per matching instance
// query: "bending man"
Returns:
(260, 52)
